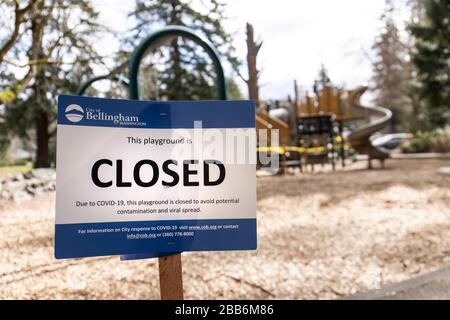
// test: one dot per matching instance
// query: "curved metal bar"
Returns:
(85, 85)
(157, 39)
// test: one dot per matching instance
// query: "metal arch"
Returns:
(156, 39)
(85, 85)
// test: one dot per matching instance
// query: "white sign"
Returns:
(137, 176)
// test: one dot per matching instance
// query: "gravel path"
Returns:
(321, 235)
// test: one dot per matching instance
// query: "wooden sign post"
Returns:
(171, 277)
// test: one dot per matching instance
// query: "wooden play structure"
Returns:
(319, 133)
(264, 121)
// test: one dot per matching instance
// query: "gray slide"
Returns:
(378, 117)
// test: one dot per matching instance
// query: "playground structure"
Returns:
(320, 122)
(360, 139)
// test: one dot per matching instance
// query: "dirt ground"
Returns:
(320, 236)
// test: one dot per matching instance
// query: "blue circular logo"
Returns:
(74, 113)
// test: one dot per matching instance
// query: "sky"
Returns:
(298, 36)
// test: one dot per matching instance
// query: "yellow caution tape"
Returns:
(284, 149)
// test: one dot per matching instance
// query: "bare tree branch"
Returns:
(45, 61)
(18, 20)
(253, 48)
(242, 77)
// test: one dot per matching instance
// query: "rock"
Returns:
(16, 185)
(39, 191)
(444, 171)
(22, 187)
(34, 183)
(18, 177)
(44, 174)
(5, 195)
(28, 174)
(51, 186)
(21, 196)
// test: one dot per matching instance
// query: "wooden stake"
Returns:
(171, 277)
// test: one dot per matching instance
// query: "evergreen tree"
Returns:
(323, 80)
(415, 121)
(234, 92)
(431, 58)
(183, 70)
(390, 70)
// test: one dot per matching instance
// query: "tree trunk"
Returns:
(40, 100)
(417, 125)
(175, 92)
(177, 85)
(41, 119)
(293, 118)
(42, 138)
(253, 73)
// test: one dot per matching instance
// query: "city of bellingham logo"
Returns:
(74, 113)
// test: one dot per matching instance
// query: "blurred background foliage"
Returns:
(47, 47)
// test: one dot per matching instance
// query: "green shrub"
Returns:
(437, 140)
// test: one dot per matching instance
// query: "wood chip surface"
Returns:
(321, 235)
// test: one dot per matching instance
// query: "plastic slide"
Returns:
(379, 118)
